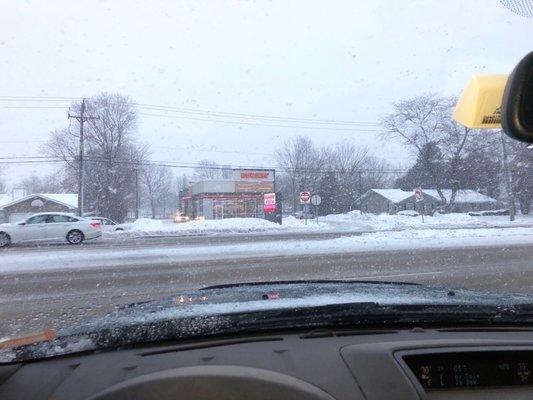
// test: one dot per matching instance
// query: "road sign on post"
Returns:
(419, 196)
(316, 200)
(305, 198)
(269, 202)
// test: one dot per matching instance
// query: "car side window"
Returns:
(108, 222)
(71, 219)
(38, 219)
(58, 218)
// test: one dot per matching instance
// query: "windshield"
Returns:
(151, 149)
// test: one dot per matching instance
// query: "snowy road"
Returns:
(47, 287)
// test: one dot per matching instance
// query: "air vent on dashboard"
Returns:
(323, 333)
(206, 345)
(486, 329)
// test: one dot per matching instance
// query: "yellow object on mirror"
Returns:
(479, 105)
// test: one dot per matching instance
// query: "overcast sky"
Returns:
(334, 60)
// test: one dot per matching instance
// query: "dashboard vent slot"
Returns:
(206, 345)
(485, 329)
(323, 333)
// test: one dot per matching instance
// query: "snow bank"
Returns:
(232, 225)
(387, 222)
(353, 221)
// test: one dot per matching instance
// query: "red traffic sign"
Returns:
(269, 202)
(305, 197)
(419, 196)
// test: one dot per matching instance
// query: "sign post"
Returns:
(272, 207)
(419, 196)
(269, 202)
(305, 200)
(316, 200)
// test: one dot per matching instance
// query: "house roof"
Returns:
(394, 195)
(69, 200)
(462, 196)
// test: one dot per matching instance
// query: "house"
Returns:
(466, 200)
(390, 201)
(393, 200)
(18, 209)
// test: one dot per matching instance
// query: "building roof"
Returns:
(394, 195)
(69, 200)
(462, 196)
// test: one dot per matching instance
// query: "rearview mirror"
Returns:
(517, 102)
(22, 223)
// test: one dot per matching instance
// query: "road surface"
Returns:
(33, 300)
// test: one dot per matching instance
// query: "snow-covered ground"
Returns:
(353, 221)
(380, 241)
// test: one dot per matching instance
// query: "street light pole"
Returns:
(81, 119)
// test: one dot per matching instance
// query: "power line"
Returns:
(183, 110)
(38, 98)
(23, 107)
(268, 125)
(250, 116)
(189, 165)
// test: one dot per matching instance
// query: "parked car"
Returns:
(50, 227)
(489, 213)
(303, 215)
(108, 225)
(409, 213)
(181, 217)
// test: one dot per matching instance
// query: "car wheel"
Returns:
(5, 239)
(119, 229)
(75, 237)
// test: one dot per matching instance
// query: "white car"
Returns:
(108, 225)
(50, 227)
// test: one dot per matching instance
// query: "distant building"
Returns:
(240, 196)
(391, 201)
(14, 209)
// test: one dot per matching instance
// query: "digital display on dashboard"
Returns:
(472, 369)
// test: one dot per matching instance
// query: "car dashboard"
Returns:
(413, 363)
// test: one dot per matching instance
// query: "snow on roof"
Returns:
(68, 199)
(5, 198)
(462, 196)
(394, 195)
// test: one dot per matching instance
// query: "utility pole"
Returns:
(508, 179)
(81, 119)
(136, 193)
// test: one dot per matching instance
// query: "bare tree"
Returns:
(302, 162)
(424, 125)
(209, 169)
(47, 184)
(112, 154)
(157, 182)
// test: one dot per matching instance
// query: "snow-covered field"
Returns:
(380, 241)
(353, 221)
